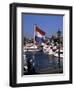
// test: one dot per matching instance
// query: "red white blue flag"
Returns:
(40, 34)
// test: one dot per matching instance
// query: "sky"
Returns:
(50, 24)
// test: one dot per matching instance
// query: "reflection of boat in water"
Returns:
(41, 59)
(40, 62)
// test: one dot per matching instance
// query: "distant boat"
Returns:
(61, 53)
(55, 53)
(30, 48)
(50, 50)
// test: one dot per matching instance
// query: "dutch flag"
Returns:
(39, 36)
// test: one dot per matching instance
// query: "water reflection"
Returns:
(41, 63)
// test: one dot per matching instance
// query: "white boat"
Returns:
(30, 48)
(56, 53)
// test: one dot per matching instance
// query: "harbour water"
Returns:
(42, 63)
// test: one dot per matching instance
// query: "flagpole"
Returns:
(34, 33)
(34, 43)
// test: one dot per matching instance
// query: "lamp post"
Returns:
(59, 34)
